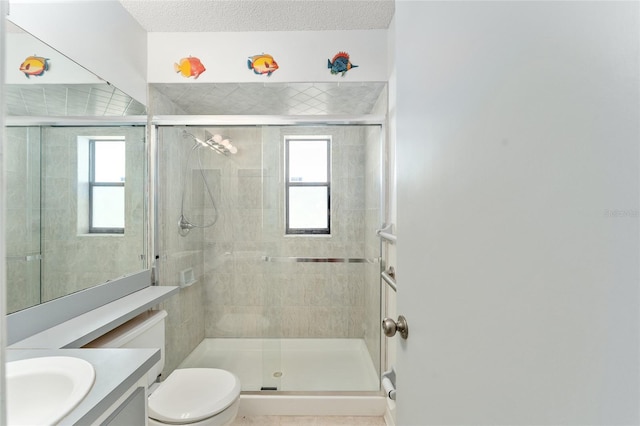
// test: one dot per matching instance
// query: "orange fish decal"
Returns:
(262, 64)
(189, 67)
(34, 65)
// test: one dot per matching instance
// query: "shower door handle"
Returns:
(390, 327)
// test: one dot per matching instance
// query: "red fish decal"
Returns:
(189, 67)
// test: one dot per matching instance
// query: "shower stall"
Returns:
(274, 245)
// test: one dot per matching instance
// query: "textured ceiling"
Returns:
(260, 15)
(283, 99)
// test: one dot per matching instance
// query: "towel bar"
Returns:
(389, 280)
(385, 234)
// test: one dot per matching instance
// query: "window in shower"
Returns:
(106, 186)
(308, 184)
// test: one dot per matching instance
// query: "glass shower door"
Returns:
(283, 312)
(322, 286)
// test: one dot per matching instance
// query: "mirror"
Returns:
(68, 226)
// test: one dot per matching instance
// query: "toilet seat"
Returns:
(189, 395)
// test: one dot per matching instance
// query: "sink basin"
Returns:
(41, 391)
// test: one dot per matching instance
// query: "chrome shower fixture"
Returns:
(221, 145)
(217, 143)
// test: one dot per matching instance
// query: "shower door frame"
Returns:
(156, 121)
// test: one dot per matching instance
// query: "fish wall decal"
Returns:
(340, 63)
(189, 67)
(262, 64)
(34, 65)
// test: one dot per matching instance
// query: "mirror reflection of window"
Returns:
(308, 185)
(48, 201)
(106, 186)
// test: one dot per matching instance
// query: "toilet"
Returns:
(188, 396)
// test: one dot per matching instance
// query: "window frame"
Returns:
(93, 184)
(289, 184)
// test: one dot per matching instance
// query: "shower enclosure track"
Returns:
(266, 120)
(321, 259)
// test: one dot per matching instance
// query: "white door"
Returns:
(518, 203)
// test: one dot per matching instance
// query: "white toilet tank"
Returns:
(144, 331)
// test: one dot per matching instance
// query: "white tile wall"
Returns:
(186, 311)
(272, 98)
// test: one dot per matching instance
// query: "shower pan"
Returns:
(288, 292)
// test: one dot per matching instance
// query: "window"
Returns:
(106, 186)
(308, 185)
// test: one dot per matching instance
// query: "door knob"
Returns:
(390, 327)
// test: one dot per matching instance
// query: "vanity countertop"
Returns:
(82, 329)
(117, 370)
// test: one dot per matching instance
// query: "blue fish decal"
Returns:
(340, 63)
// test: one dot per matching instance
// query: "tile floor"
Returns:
(308, 421)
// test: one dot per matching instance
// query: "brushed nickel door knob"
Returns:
(390, 327)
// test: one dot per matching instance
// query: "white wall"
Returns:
(518, 205)
(301, 56)
(65, 71)
(100, 35)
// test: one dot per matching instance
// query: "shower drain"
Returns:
(272, 388)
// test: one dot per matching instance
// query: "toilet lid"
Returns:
(193, 394)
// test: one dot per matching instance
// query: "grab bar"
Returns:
(389, 279)
(385, 233)
(321, 259)
(389, 237)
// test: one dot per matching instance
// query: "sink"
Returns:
(41, 391)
